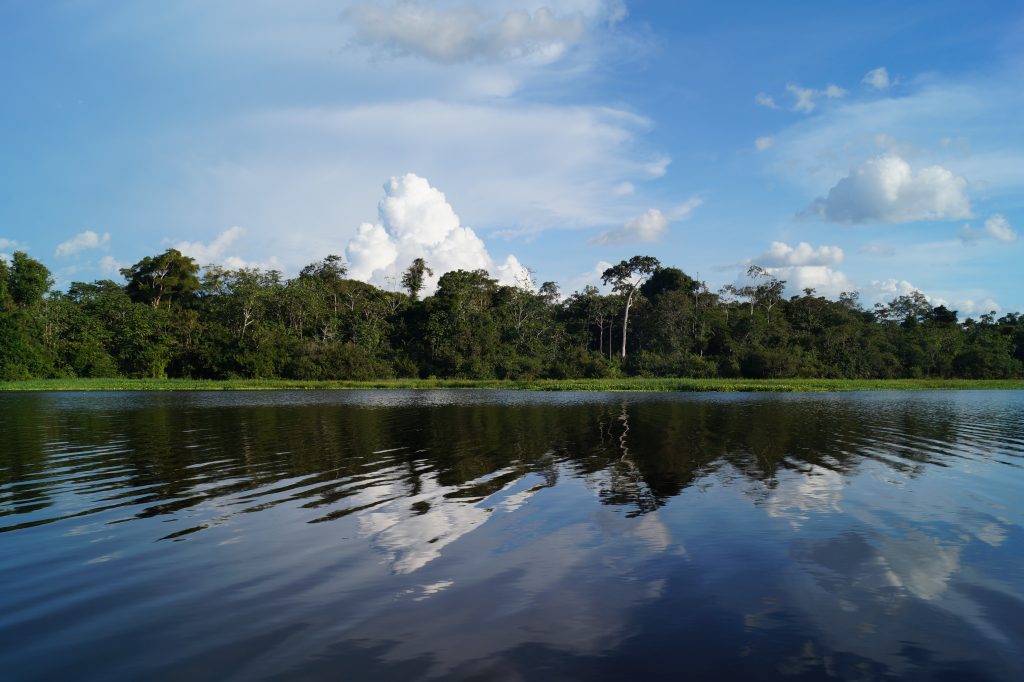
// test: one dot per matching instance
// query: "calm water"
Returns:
(511, 536)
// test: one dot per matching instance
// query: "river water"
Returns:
(402, 535)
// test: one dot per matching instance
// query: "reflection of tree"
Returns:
(623, 483)
(164, 453)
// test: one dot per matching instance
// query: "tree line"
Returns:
(172, 318)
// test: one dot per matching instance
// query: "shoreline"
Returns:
(636, 384)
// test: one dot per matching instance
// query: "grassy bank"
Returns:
(627, 384)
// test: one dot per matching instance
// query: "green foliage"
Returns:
(255, 325)
(412, 278)
(162, 280)
(28, 280)
(6, 302)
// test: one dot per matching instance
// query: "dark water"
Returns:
(511, 536)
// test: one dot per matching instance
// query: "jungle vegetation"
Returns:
(172, 318)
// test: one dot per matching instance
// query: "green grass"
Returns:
(627, 384)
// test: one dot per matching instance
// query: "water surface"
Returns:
(394, 535)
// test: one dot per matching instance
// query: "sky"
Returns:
(869, 146)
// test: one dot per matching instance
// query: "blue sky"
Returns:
(875, 146)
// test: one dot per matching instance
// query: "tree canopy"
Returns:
(172, 318)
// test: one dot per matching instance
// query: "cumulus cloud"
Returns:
(765, 100)
(82, 242)
(763, 143)
(885, 189)
(824, 280)
(802, 267)
(415, 220)
(208, 254)
(966, 303)
(465, 33)
(805, 99)
(525, 167)
(877, 78)
(780, 254)
(6, 244)
(981, 111)
(971, 306)
(888, 289)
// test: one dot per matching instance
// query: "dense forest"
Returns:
(173, 318)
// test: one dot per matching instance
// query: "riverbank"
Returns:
(624, 384)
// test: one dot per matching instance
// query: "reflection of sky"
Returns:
(876, 558)
(412, 541)
(813, 566)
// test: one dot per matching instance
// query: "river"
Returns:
(402, 535)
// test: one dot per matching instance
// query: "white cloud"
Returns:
(805, 99)
(416, 221)
(996, 227)
(519, 167)
(966, 125)
(824, 280)
(658, 167)
(685, 209)
(970, 306)
(82, 242)
(466, 33)
(210, 254)
(877, 78)
(885, 189)
(802, 267)
(647, 227)
(591, 277)
(999, 229)
(624, 189)
(780, 254)
(763, 143)
(109, 265)
(888, 289)
(834, 92)
(765, 100)
(877, 250)
(966, 303)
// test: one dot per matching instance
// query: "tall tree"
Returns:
(626, 278)
(767, 289)
(28, 280)
(6, 303)
(326, 276)
(158, 280)
(412, 278)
